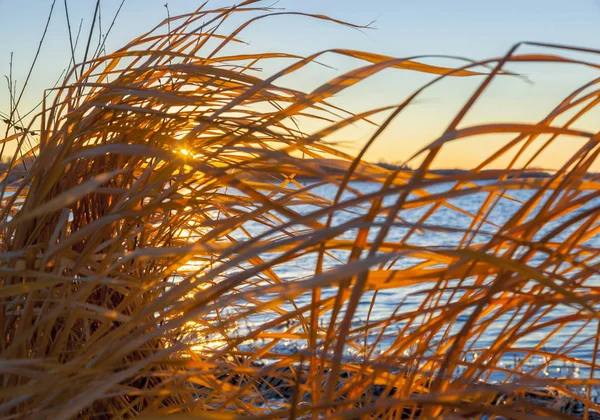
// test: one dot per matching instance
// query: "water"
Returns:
(574, 340)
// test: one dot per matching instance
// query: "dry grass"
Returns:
(142, 253)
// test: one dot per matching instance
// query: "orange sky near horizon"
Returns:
(469, 28)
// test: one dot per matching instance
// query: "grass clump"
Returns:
(169, 186)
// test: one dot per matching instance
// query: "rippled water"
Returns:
(576, 338)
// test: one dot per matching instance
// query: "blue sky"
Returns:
(476, 29)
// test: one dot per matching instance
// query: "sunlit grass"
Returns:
(144, 253)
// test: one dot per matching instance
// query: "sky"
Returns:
(476, 29)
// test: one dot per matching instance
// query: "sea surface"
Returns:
(575, 339)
